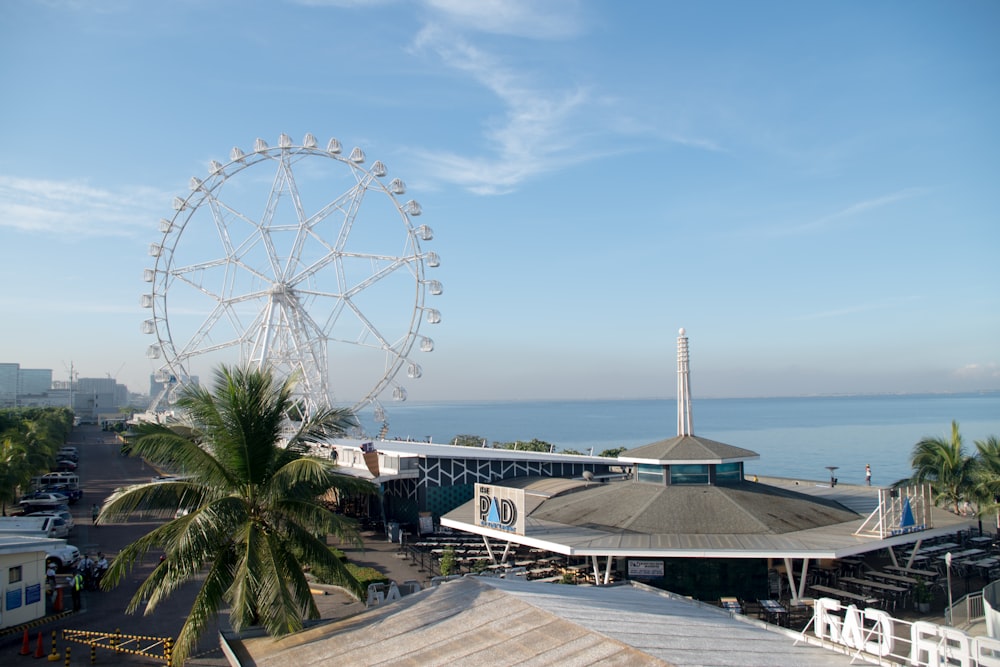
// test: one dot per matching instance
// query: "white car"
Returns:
(43, 499)
(59, 514)
(63, 557)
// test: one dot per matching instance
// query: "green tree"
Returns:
(613, 453)
(945, 465)
(986, 489)
(468, 440)
(534, 445)
(447, 562)
(15, 470)
(255, 518)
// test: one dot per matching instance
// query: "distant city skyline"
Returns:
(808, 190)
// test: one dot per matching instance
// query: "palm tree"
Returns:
(14, 468)
(987, 487)
(945, 465)
(254, 518)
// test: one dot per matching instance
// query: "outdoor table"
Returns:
(926, 574)
(846, 595)
(731, 604)
(960, 555)
(894, 578)
(774, 611)
(892, 588)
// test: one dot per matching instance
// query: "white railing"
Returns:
(874, 636)
(966, 611)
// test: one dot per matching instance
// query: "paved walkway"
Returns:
(102, 469)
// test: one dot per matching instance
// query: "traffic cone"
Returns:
(57, 606)
(26, 644)
(40, 651)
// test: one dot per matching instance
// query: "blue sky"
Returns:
(810, 189)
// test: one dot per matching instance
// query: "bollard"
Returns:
(115, 640)
(54, 656)
(168, 651)
(93, 653)
(67, 657)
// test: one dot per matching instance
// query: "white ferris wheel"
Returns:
(298, 258)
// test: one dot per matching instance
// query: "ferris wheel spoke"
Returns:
(291, 277)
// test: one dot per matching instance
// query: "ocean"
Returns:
(795, 437)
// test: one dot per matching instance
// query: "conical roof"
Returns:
(687, 449)
(744, 508)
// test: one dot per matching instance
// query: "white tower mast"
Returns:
(684, 424)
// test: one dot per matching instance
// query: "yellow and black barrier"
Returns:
(157, 648)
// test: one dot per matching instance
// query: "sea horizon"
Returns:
(673, 397)
(795, 436)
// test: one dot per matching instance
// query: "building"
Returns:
(8, 384)
(34, 381)
(688, 519)
(22, 578)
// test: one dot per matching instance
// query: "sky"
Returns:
(809, 189)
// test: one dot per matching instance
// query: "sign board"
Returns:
(500, 508)
(901, 510)
(645, 568)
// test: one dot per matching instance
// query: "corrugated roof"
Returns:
(476, 621)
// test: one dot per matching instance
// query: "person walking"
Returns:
(95, 510)
(868, 474)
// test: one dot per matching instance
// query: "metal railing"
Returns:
(966, 611)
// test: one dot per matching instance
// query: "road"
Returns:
(102, 470)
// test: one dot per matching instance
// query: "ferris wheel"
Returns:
(299, 259)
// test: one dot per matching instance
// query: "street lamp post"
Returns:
(947, 562)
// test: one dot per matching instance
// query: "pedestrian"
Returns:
(868, 474)
(50, 577)
(95, 510)
(76, 586)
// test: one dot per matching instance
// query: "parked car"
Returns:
(65, 465)
(43, 499)
(68, 453)
(62, 557)
(74, 494)
(62, 514)
(59, 528)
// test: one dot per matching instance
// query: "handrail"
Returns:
(966, 611)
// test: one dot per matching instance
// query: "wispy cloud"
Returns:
(987, 371)
(539, 19)
(846, 214)
(847, 311)
(75, 208)
(534, 133)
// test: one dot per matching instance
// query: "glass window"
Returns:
(650, 473)
(689, 473)
(728, 472)
(14, 575)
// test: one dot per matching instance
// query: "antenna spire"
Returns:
(684, 424)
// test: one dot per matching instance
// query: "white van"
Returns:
(69, 478)
(30, 526)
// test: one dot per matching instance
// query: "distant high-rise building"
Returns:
(8, 384)
(34, 381)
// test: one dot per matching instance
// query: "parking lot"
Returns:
(102, 469)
